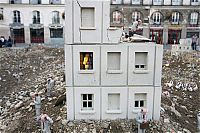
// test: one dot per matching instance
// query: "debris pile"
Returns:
(25, 71)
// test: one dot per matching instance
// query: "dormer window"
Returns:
(87, 17)
(194, 18)
(175, 17)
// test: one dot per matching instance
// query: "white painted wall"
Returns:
(132, 112)
(70, 103)
(114, 77)
(127, 81)
(87, 114)
(114, 114)
(157, 104)
(158, 65)
(86, 77)
(135, 76)
(127, 84)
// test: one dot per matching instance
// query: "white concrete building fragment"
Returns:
(106, 79)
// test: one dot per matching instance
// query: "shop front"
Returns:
(156, 35)
(192, 31)
(37, 33)
(174, 35)
(17, 32)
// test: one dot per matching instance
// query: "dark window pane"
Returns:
(141, 103)
(85, 104)
(84, 96)
(142, 66)
(136, 103)
(89, 96)
(137, 66)
(56, 33)
(89, 104)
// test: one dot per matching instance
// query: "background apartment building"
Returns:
(164, 21)
(42, 21)
(32, 21)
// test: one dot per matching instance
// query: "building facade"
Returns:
(164, 21)
(42, 21)
(32, 21)
(107, 79)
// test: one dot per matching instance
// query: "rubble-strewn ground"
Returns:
(23, 71)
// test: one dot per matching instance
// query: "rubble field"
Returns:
(24, 71)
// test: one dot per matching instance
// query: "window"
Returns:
(194, 2)
(156, 18)
(56, 33)
(136, 16)
(113, 61)
(117, 17)
(175, 18)
(86, 61)
(15, 1)
(157, 2)
(36, 17)
(136, 2)
(87, 17)
(87, 101)
(176, 2)
(55, 1)
(194, 18)
(116, 1)
(16, 17)
(37, 35)
(141, 60)
(55, 17)
(140, 100)
(114, 101)
(35, 1)
(1, 13)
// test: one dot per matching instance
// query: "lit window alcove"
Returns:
(86, 62)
